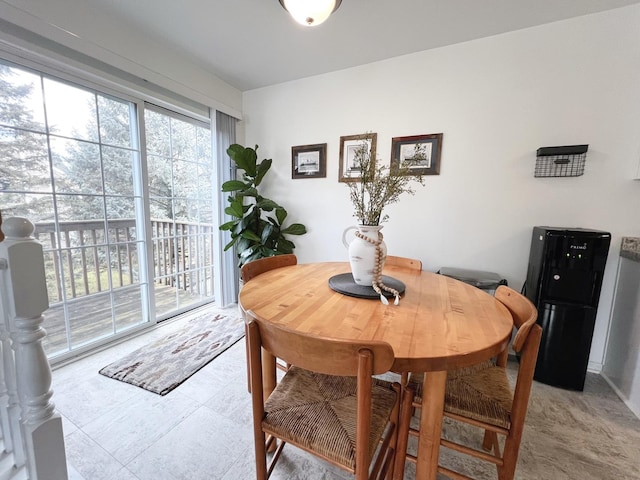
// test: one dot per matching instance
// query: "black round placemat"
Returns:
(344, 283)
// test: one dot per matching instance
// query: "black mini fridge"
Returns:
(564, 278)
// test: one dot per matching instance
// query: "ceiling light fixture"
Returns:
(310, 12)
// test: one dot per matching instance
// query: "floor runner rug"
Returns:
(165, 363)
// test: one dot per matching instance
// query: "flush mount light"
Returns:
(310, 12)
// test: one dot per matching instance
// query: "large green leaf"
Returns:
(295, 229)
(273, 221)
(249, 254)
(244, 244)
(250, 235)
(237, 228)
(285, 246)
(249, 192)
(262, 169)
(268, 252)
(244, 158)
(246, 221)
(229, 245)
(266, 233)
(267, 205)
(233, 212)
(235, 208)
(234, 151)
(281, 214)
(228, 225)
(252, 255)
(233, 186)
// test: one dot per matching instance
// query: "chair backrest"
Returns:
(526, 342)
(522, 310)
(330, 356)
(405, 262)
(261, 265)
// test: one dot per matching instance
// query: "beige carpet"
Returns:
(164, 364)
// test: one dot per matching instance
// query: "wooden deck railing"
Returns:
(182, 255)
(179, 253)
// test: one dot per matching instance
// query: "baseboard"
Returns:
(123, 337)
(634, 409)
(594, 367)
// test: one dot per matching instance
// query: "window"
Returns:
(73, 164)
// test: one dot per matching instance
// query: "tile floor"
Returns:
(202, 429)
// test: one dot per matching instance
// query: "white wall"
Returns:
(622, 357)
(496, 100)
(121, 46)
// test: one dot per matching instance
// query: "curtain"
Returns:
(225, 136)
(228, 278)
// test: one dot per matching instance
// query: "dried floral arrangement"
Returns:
(378, 187)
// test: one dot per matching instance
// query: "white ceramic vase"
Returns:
(362, 254)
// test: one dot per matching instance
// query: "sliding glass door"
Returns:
(181, 204)
(73, 163)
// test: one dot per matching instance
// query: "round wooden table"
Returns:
(440, 324)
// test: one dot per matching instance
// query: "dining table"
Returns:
(439, 324)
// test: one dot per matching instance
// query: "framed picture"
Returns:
(349, 145)
(419, 153)
(309, 161)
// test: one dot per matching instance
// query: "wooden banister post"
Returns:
(9, 403)
(26, 295)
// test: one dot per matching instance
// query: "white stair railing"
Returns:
(31, 429)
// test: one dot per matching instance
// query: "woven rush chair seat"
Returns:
(481, 396)
(329, 402)
(317, 412)
(481, 392)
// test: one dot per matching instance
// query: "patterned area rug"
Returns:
(164, 364)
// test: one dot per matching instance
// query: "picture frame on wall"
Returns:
(420, 154)
(309, 161)
(349, 145)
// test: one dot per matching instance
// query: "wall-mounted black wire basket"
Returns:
(561, 161)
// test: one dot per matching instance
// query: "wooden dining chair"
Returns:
(253, 269)
(327, 403)
(405, 262)
(481, 396)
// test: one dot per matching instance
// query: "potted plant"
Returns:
(377, 187)
(257, 228)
